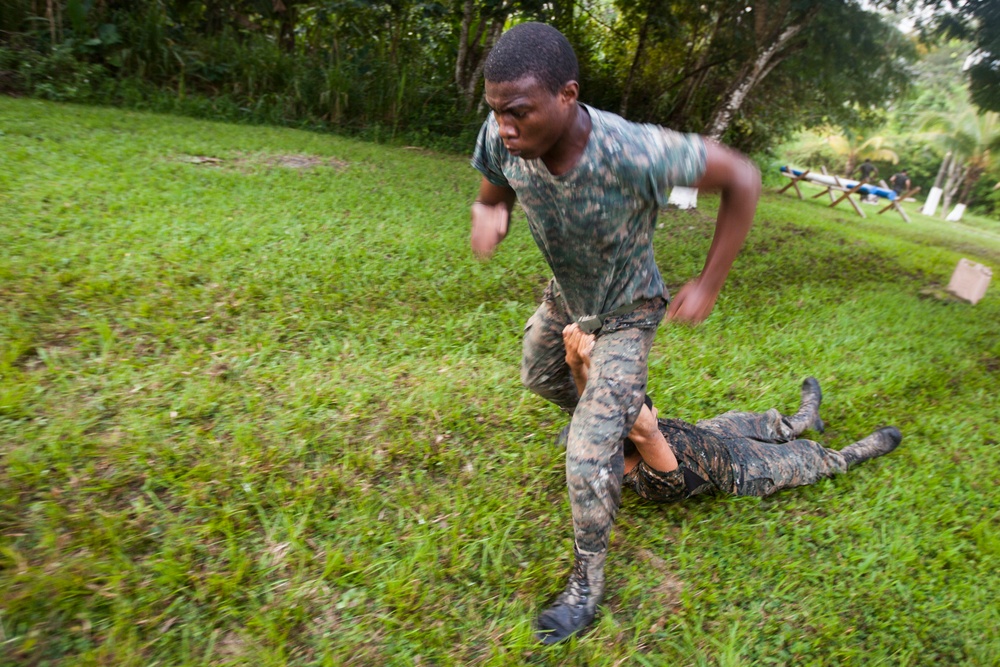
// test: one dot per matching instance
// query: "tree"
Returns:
(771, 40)
(655, 23)
(698, 65)
(718, 67)
(851, 145)
(970, 141)
(977, 21)
(479, 30)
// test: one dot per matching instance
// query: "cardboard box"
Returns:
(970, 280)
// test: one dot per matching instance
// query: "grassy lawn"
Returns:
(264, 409)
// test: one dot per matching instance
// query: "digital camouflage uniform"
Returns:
(740, 453)
(594, 225)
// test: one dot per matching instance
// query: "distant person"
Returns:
(868, 171)
(900, 183)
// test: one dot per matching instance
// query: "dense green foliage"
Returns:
(412, 68)
(977, 21)
(259, 406)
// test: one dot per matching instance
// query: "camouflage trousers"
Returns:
(740, 453)
(603, 415)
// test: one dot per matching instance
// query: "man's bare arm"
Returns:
(490, 217)
(739, 181)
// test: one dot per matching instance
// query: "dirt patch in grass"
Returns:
(670, 587)
(284, 160)
(295, 161)
(59, 343)
(991, 363)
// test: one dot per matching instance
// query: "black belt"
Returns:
(594, 323)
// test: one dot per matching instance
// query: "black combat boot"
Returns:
(808, 415)
(878, 443)
(576, 606)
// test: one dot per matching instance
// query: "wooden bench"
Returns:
(833, 184)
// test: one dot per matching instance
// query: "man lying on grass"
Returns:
(742, 453)
(591, 185)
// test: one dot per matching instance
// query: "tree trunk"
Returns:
(286, 24)
(972, 175)
(50, 14)
(772, 37)
(463, 45)
(944, 168)
(213, 19)
(695, 77)
(473, 48)
(950, 185)
(639, 49)
(750, 75)
(477, 73)
(562, 12)
(849, 167)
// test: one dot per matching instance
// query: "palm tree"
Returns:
(851, 145)
(969, 140)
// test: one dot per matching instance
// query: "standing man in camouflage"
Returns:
(591, 185)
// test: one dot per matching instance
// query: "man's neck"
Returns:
(567, 151)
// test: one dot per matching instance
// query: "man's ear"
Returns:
(570, 92)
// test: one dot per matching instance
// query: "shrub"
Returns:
(57, 75)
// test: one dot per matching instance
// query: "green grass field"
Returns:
(265, 410)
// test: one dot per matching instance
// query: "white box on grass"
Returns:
(970, 280)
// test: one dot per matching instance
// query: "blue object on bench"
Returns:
(822, 179)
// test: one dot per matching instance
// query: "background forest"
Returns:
(750, 73)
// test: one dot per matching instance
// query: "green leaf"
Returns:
(109, 34)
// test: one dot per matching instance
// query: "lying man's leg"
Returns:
(764, 468)
(733, 453)
(772, 426)
(708, 462)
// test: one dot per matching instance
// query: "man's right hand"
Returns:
(489, 227)
(490, 217)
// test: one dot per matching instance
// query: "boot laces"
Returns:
(577, 592)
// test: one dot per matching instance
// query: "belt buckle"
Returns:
(591, 324)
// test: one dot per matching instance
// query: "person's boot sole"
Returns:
(812, 384)
(894, 438)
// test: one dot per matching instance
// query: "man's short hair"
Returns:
(533, 49)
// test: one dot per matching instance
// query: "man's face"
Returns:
(531, 118)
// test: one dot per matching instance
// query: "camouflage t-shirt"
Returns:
(594, 224)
